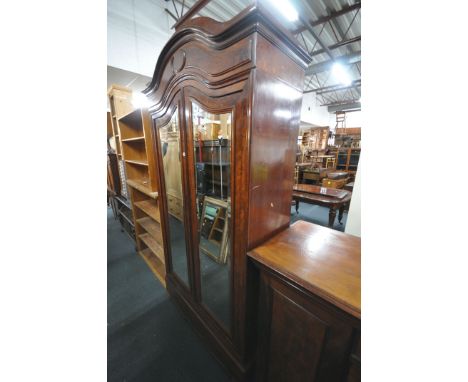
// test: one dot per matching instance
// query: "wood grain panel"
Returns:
(321, 260)
(301, 337)
(295, 352)
(275, 116)
(284, 69)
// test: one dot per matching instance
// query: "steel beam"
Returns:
(332, 15)
(325, 49)
(191, 11)
(344, 107)
(171, 14)
(333, 88)
(334, 23)
(336, 46)
(348, 59)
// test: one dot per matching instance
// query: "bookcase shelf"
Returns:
(142, 187)
(149, 208)
(152, 227)
(154, 264)
(133, 117)
(136, 162)
(135, 139)
(153, 245)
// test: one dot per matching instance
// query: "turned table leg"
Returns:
(297, 206)
(340, 213)
(331, 217)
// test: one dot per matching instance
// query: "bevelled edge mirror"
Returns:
(169, 135)
(212, 159)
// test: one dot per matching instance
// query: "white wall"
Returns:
(312, 112)
(353, 221)
(353, 119)
(136, 33)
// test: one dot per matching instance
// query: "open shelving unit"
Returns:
(138, 202)
(140, 168)
(120, 105)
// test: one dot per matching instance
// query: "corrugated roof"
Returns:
(340, 34)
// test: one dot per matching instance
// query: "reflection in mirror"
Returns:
(170, 149)
(212, 152)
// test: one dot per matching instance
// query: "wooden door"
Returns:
(301, 338)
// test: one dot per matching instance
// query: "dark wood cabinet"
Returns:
(226, 101)
(347, 159)
(309, 306)
(301, 338)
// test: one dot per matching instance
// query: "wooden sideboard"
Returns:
(309, 311)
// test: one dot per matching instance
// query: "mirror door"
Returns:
(212, 142)
(168, 129)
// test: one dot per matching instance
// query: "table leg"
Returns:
(340, 213)
(297, 206)
(331, 217)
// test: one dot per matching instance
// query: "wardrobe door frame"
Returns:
(160, 119)
(219, 105)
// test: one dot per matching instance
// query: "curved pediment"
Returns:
(214, 53)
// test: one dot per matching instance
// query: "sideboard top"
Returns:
(323, 261)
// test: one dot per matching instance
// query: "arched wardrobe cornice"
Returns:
(220, 40)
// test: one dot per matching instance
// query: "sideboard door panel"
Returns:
(303, 340)
(299, 347)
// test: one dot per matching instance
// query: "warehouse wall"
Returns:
(312, 112)
(135, 34)
(353, 222)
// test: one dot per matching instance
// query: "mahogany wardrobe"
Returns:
(225, 106)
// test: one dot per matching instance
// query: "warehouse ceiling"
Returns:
(330, 30)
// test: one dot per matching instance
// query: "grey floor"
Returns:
(148, 338)
(318, 215)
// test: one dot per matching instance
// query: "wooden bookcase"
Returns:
(120, 105)
(316, 138)
(140, 168)
(137, 202)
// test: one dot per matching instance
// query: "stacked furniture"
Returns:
(349, 137)
(315, 174)
(348, 142)
(336, 179)
(316, 139)
(347, 159)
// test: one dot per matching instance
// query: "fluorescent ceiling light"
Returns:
(340, 73)
(286, 9)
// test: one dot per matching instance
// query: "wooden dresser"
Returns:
(309, 311)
